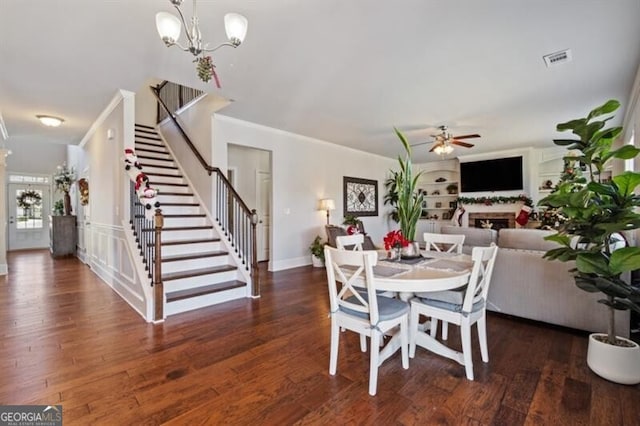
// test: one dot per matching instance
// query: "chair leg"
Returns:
(404, 340)
(413, 331)
(465, 333)
(445, 330)
(363, 343)
(375, 360)
(434, 327)
(482, 337)
(335, 341)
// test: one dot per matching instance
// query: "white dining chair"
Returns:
(367, 314)
(463, 307)
(352, 242)
(447, 243)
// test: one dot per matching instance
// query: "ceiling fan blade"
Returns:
(421, 143)
(474, 135)
(465, 144)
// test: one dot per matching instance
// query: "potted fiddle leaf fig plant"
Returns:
(409, 199)
(597, 212)
(317, 252)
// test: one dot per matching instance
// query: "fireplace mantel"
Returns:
(484, 211)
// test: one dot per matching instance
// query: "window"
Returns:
(41, 180)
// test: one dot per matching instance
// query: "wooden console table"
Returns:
(63, 235)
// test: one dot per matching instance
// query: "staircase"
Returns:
(197, 270)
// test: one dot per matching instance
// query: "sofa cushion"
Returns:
(525, 239)
(474, 236)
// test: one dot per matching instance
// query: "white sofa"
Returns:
(528, 286)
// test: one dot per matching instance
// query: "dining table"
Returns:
(432, 271)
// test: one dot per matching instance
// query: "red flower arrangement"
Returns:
(395, 239)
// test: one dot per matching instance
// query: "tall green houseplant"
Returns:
(408, 201)
(597, 211)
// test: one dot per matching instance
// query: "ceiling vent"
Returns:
(557, 58)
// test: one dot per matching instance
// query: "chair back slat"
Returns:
(449, 243)
(354, 241)
(484, 259)
(345, 269)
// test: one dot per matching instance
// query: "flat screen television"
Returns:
(502, 174)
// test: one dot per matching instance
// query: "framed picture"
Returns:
(438, 204)
(360, 196)
(452, 204)
(446, 216)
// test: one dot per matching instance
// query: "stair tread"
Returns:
(147, 157)
(162, 174)
(145, 126)
(190, 256)
(181, 204)
(168, 183)
(179, 194)
(191, 241)
(160, 166)
(149, 136)
(197, 272)
(179, 228)
(182, 215)
(152, 151)
(203, 290)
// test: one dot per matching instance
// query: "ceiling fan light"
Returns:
(235, 26)
(50, 121)
(168, 27)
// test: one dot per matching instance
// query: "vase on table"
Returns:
(67, 204)
(411, 251)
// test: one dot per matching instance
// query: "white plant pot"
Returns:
(615, 363)
(316, 262)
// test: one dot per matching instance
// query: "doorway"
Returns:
(29, 207)
(249, 170)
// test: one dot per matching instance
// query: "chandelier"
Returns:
(169, 28)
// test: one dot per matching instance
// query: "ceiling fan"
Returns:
(444, 141)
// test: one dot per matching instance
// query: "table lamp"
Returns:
(327, 204)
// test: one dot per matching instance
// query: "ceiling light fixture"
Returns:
(443, 149)
(169, 28)
(49, 120)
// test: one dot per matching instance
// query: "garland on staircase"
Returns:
(488, 201)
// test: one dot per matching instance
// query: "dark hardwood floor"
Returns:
(68, 339)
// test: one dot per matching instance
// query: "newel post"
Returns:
(255, 279)
(158, 287)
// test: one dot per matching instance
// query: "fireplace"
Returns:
(498, 220)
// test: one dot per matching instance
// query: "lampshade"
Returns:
(168, 26)
(236, 27)
(327, 204)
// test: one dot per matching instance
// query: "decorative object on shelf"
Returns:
(452, 188)
(169, 28)
(597, 213)
(63, 178)
(83, 186)
(452, 205)
(436, 192)
(446, 216)
(548, 184)
(58, 208)
(360, 196)
(496, 200)
(440, 180)
(438, 205)
(327, 204)
(317, 252)
(409, 204)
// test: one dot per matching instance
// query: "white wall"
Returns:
(248, 161)
(304, 170)
(196, 120)
(35, 157)
(108, 252)
(146, 104)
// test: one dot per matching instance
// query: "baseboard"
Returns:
(296, 262)
(4, 269)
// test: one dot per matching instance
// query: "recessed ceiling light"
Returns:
(49, 120)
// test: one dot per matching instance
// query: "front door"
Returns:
(29, 207)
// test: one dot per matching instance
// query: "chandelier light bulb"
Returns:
(235, 26)
(168, 27)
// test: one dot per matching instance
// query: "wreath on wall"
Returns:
(28, 199)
